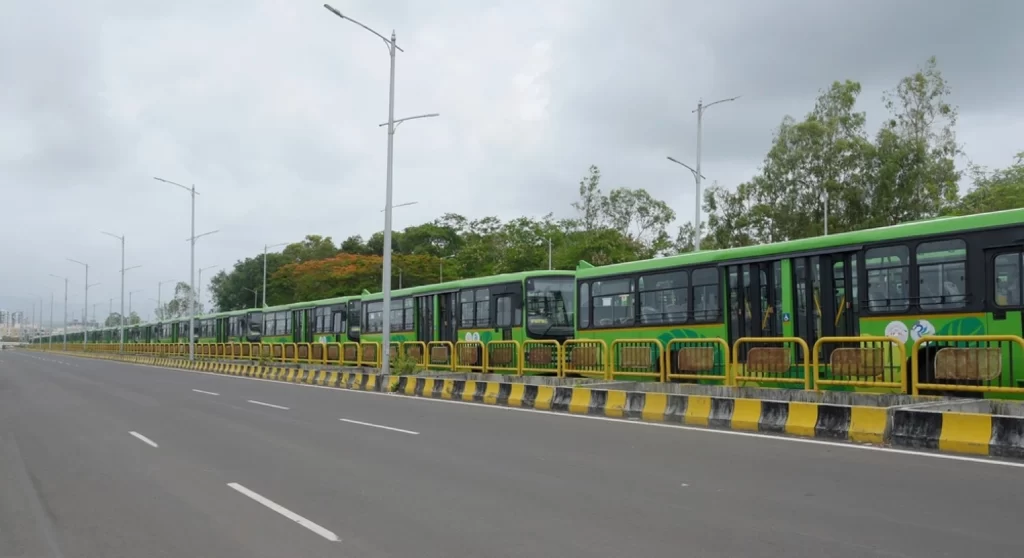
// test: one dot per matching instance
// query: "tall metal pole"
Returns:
(392, 45)
(120, 347)
(85, 330)
(696, 209)
(386, 280)
(49, 337)
(265, 248)
(826, 212)
(701, 107)
(192, 284)
(549, 254)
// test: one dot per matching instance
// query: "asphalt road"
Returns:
(246, 468)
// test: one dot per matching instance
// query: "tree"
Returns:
(178, 307)
(915, 173)
(113, 320)
(1002, 189)
(313, 247)
(906, 173)
(134, 319)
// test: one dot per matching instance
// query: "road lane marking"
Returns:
(204, 391)
(144, 439)
(380, 426)
(705, 430)
(267, 404)
(286, 512)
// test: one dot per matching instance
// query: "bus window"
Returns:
(888, 276)
(1007, 278)
(584, 305)
(706, 306)
(941, 270)
(614, 303)
(549, 305)
(664, 298)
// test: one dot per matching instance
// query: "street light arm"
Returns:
(197, 237)
(705, 107)
(121, 238)
(400, 120)
(183, 187)
(406, 204)
(342, 16)
(688, 167)
(131, 268)
(78, 262)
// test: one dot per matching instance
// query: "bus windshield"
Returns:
(549, 304)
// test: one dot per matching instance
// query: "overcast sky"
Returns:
(271, 107)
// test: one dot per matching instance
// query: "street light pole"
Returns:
(85, 331)
(191, 271)
(255, 297)
(392, 124)
(199, 288)
(130, 293)
(265, 248)
(696, 231)
(701, 107)
(158, 287)
(65, 309)
(49, 335)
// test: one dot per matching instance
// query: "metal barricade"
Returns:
(470, 356)
(968, 363)
(640, 358)
(441, 355)
(415, 351)
(541, 356)
(867, 361)
(291, 352)
(503, 357)
(697, 359)
(585, 357)
(350, 353)
(332, 353)
(369, 354)
(771, 360)
(317, 353)
(302, 352)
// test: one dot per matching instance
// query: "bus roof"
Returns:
(474, 282)
(941, 225)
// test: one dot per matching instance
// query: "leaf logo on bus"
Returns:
(963, 326)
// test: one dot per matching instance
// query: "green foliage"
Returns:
(906, 173)
(903, 171)
(404, 365)
(1002, 189)
(178, 307)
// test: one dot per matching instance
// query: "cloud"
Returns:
(272, 107)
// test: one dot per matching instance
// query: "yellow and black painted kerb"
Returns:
(1001, 436)
(993, 435)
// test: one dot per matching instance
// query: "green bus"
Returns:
(515, 306)
(947, 276)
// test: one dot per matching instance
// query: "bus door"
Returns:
(826, 298)
(839, 300)
(754, 301)
(447, 304)
(425, 318)
(298, 327)
(1005, 302)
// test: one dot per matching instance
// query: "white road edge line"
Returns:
(144, 439)
(286, 512)
(253, 401)
(769, 437)
(380, 426)
(204, 391)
